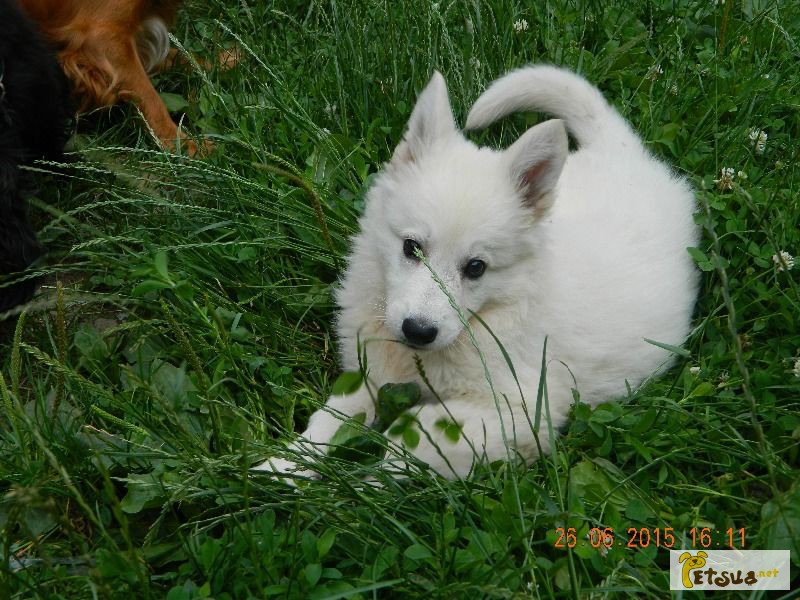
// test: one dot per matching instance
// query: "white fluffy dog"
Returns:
(586, 250)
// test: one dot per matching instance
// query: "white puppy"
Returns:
(584, 249)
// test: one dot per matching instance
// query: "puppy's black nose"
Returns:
(419, 332)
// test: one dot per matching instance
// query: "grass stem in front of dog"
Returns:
(61, 346)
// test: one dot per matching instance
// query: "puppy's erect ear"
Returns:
(431, 120)
(536, 160)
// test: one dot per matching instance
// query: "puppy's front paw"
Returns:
(285, 470)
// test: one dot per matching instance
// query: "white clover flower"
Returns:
(673, 89)
(724, 379)
(726, 177)
(330, 109)
(741, 174)
(520, 25)
(654, 72)
(694, 370)
(761, 143)
(796, 368)
(783, 261)
(759, 139)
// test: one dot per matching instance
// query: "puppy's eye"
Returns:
(410, 247)
(475, 268)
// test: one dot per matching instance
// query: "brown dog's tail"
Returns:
(152, 43)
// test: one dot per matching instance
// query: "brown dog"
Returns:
(107, 48)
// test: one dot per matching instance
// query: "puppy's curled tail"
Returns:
(588, 116)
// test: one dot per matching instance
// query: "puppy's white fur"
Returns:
(586, 249)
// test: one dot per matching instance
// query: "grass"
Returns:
(185, 326)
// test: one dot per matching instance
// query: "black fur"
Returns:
(35, 111)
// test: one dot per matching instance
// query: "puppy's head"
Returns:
(454, 225)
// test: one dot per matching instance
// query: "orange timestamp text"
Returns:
(644, 537)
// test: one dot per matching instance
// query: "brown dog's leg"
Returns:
(135, 86)
(227, 59)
